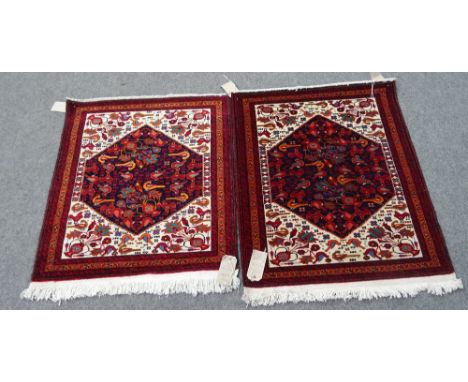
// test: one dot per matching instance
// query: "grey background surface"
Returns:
(435, 108)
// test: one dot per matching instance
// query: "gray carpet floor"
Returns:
(436, 111)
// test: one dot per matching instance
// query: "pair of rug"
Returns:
(320, 186)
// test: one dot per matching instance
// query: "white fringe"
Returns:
(297, 88)
(364, 290)
(201, 282)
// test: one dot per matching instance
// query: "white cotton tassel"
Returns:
(297, 88)
(365, 290)
(193, 283)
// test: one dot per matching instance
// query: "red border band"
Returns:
(391, 115)
(115, 266)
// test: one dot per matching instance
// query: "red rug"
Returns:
(141, 200)
(332, 198)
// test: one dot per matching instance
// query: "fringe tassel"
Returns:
(297, 88)
(437, 285)
(188, 282)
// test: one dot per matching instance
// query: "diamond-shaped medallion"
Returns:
(329, 175)
(142, 179)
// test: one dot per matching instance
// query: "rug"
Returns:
(333, 203)
(140, 200)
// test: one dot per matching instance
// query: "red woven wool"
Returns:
(329, 191)
(330, 187)
(141, 187)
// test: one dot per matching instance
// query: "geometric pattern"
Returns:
(329, 175)
(354, 209)
(142, 179)
(118, 205)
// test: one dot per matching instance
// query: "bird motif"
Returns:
(77, 207)
(273, 214)
(401, 206)
(203, 202)
(265, 109)
(274, 224)
(201, 115)
(282, 232)
(408, 247)
(76, 218)
(202, 212)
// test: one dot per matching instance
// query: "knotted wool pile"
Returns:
(140, 200)
(331, 190)
(325, 192)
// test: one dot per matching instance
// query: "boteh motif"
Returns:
(329, 175)
(142, 179)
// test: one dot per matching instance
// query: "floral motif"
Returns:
(142, 219)
(142, 179)
(330, 227)
(330, 175)
(92, 241)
